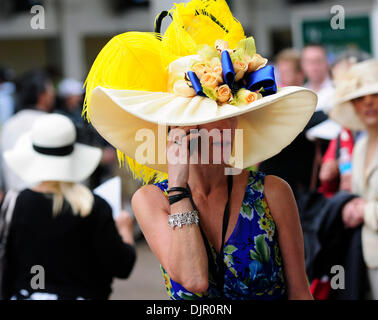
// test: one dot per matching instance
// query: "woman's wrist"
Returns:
(177, 183)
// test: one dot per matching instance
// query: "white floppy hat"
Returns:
(359, 80)
(49, 153)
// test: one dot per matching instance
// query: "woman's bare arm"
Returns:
(180, 251)
(284, 210)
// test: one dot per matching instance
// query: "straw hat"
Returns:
(49, 153)
(203, 69)
(359, 80)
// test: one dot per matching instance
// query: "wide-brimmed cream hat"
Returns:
(49, 152)
(203, 69)
(269, 124)
(361, 79)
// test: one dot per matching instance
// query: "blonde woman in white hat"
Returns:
(356, 108)
(58, 224)
(216, 235)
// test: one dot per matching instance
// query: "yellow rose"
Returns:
(247, 97)
(182, 88)
(224, 93)
(209, 80)
(200, 69)
(214, 62)
(222, 45)
(240, 68)
(218, 72)
(256, 62)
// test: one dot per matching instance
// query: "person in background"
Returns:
(70, 97)
(336, 169)
(58, 223)
(70, 92)
(317, 72)
(7, 90)
(36, 97)
(295, 162)
(69, 103)
(288, 63)
(357, 109)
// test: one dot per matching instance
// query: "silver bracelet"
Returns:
(185, 218)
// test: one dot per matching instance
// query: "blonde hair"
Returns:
(79, 197)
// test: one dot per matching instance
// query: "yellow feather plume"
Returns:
(139, 171)
(197, 23)
(131, 61)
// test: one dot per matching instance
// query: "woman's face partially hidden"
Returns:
(216, 141)
(366, 108)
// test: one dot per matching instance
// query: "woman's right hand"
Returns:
(178, 156)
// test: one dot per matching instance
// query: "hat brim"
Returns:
(34, 167)
(344, 113)
(269, 124)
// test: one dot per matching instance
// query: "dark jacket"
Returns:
(329, 243)
(80, 256)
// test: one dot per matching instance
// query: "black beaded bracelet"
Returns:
(177, 189)
(185, 193)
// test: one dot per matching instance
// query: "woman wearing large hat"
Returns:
(356, 108)
(218, 230)
(56, 230)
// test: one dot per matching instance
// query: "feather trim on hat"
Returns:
(140, 60)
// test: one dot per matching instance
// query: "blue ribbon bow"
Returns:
(262, 78)
(196, 83)
(228, 69)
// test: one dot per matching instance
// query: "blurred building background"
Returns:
(76, 30)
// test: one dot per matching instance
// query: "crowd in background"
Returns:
(316, 165)
(77, 239)
(36, 92)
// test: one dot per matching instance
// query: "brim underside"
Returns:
(126, 118)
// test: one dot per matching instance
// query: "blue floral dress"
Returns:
(251, 254)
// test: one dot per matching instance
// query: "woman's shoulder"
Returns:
(276, 187)
(99, 202)
(270, 186)
(27, 195)
(100, 207)
(150, 195)
(279, 196)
